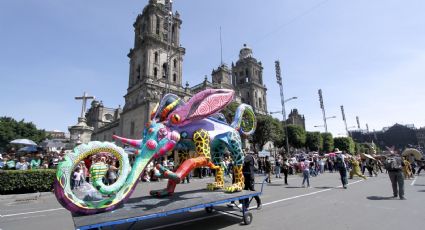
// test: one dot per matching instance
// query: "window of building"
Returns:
(175, 64)
(173, 29)
(174, 77)
(138, 72)
(156, 57)
(164, 70)
(155, 72)
(260, 103)
(132, 128)
(158, 23)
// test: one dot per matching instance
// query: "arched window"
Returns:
(260, 103)
(164, 70)
(156, 57)
(175, 64)
(155, 72)
(174, 77)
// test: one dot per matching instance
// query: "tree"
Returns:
(296, 136)
(265, 131)
(11, 129)
(328, 142)
(278, 136)
(229, 111)
(314, 141)
(344, 144)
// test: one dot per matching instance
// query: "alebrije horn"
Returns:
(134, 143)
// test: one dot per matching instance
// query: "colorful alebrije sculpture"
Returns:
(174, 125)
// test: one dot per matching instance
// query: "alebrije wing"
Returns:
(201, 105)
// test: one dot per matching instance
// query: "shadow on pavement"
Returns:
(380, 198)
(421, 190)
(419, 184)
(293, 187)
(324, 187)
(273, 184)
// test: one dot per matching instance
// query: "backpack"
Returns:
(339, 162)
(393, 163)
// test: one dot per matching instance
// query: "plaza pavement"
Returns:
(366, 204)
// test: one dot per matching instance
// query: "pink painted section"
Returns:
(134, 143)
(203, 104)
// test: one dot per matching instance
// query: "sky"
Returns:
(368, 56)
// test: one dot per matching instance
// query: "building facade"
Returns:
(294, 118)
(156, 62)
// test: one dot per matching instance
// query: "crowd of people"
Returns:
(307, 165)
(24, 161)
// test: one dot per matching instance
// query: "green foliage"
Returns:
(328, 142)
(344, 144)
(367, 148)
(26, 181)
(296, 136)
(278, 136)
(265, 131)
(229, 111)
(11, 129)
(314, 141)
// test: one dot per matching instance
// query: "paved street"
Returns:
(364, 205)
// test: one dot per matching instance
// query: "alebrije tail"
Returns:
(245, 124)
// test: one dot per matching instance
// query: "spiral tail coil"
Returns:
(117, 192)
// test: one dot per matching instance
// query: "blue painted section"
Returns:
(176, 211)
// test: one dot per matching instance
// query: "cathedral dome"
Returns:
(245, 52)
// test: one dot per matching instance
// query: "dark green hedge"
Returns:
(26, 181)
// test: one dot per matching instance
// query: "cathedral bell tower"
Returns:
(247, 78)
(156, 62)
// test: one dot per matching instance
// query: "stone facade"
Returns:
(247, 78)
(149, 80)
(294, 118)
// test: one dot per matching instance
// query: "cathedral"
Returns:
(156, 62)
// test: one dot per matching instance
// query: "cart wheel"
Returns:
(247, 218)
(209, 209)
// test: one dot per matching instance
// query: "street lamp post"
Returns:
(322, 106)
(282, 99)
(292, 98)
(345, 121)
(326, 118)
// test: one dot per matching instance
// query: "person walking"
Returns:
(249, 177)
(356, 169)
(285, 170)
(341, 167)
(305, 165)
(277, 167)
(421, 164)
(394, 164)
(268, 169)
(407, 169)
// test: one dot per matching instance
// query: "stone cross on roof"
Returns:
(85, 97)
